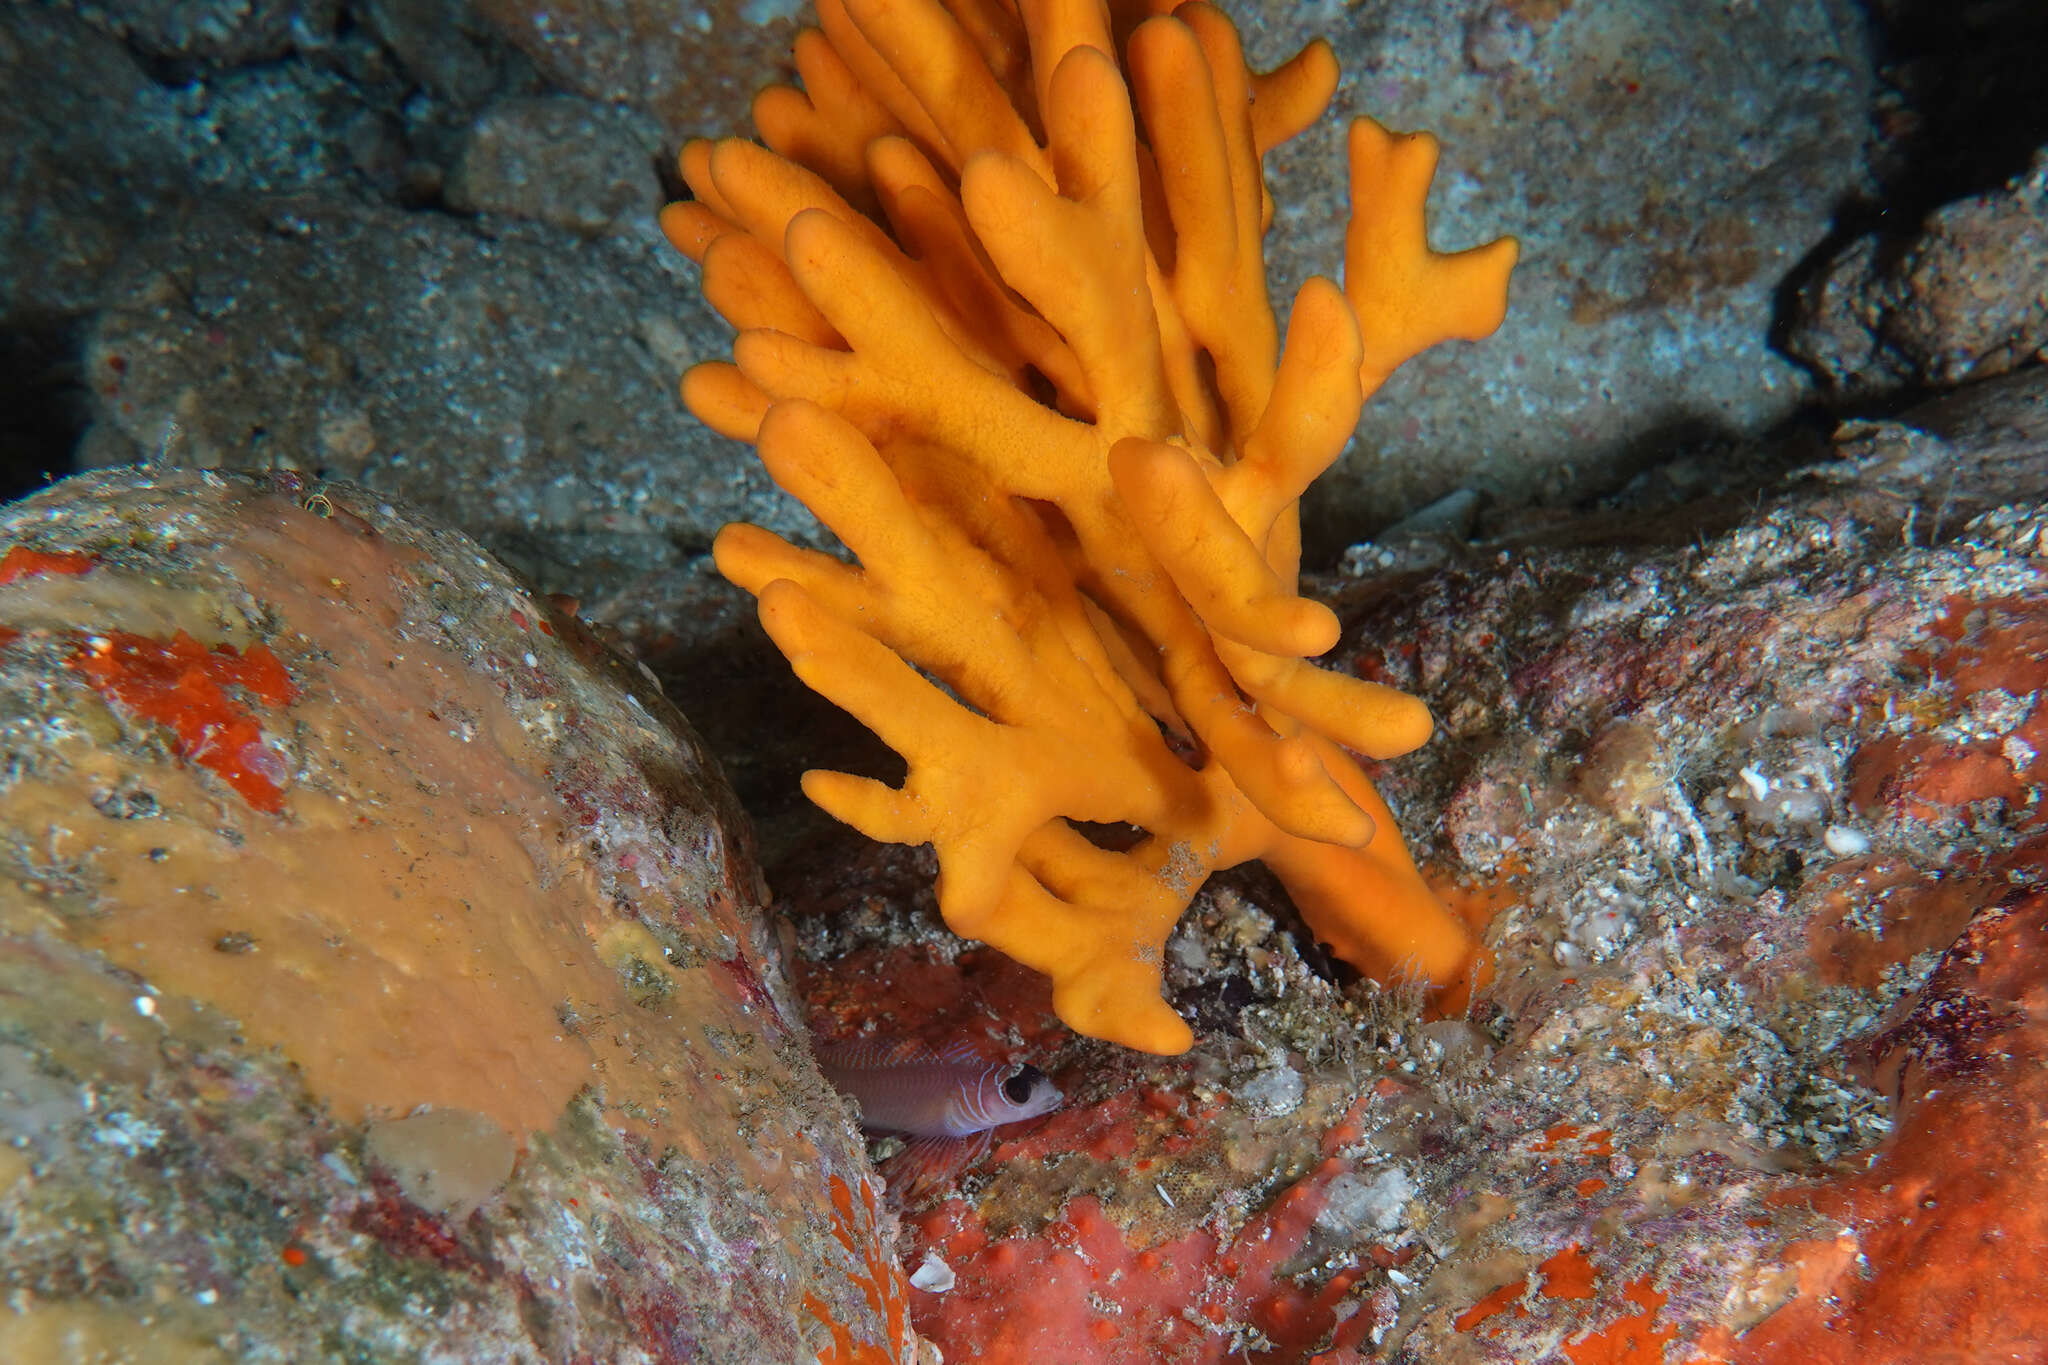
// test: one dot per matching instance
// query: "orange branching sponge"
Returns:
(1003, 325)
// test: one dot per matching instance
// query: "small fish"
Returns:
(948, 1102)
(910, 1089)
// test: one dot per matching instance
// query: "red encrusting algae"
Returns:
(21, 562)
(1631, 1340)
(1096, 1297)
(1977, 647)
(1944, 1228)
(1599, 1142)
(181, 684)
(1499, 1301)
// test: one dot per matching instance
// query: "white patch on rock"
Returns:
(1358, 1200)
(1273, 1093)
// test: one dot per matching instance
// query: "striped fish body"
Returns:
(908, 1088)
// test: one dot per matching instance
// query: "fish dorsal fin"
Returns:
(877, 1054)
(863, 1054)
(963, 1053)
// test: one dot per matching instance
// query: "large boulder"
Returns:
(383, 970)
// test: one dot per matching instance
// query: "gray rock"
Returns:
(443, 44)
(1664, 165)
(1973, 448)
(693, 67)
(218, 32)
(278, 128)
(512, 378)
(1964, 298)
(99, 151)
(560, 160)
(77, 183)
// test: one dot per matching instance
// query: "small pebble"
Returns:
(1845, 842)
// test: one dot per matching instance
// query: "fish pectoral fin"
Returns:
(928, 1165)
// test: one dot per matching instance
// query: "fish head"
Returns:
(1028, 1092)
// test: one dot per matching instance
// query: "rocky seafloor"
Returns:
(1751, 803)
(438, 1013)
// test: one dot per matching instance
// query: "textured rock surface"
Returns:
(694, 67)
(567, 162)
(249, 237)
(382, 972)
(1656, 221)
(219, 32)
(1966, 297)
(77, 189)
(1753, 801)
(480, 376)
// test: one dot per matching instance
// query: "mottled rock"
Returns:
(512, 378)
(1966, 297)
(101, 149)
(577, 165)
(218, 32)
(382, 969)
(1664, 166)
(692, 67)
(77, 189)
(452, 51)
(280, 129)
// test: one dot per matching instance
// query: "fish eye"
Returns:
(1018, 1088)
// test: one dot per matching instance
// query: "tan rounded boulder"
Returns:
(383, 973)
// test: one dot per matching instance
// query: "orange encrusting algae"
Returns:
(881, 1282)
(1632, 1339)
(1004, 328)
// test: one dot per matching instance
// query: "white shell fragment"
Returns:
(934, 1276)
